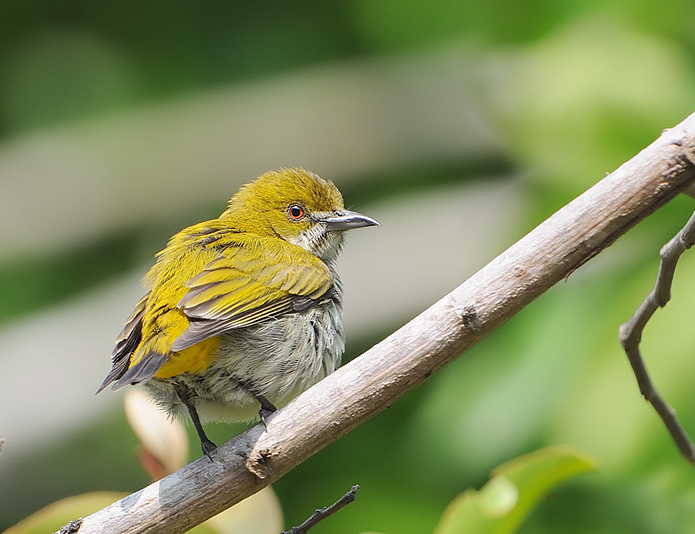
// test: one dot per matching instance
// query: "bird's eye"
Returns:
(296, 212)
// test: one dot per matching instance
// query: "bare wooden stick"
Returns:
(320, 515)
(630, 334)
(376, 379)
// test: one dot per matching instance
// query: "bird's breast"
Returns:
(286, 355)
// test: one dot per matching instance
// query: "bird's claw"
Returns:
(265, 414)
(208, 446)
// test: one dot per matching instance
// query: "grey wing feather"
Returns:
(201, 329)
(198, 330)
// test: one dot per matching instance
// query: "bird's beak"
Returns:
(347, 220)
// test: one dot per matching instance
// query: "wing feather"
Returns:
(212, 276)
(200, 330)
(252, 280)
(211, 291)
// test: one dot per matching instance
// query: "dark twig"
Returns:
(630, 334)
(320, 515)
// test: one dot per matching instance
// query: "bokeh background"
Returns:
(460, 125)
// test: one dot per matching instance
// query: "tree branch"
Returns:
(630, 334)
(372, 382)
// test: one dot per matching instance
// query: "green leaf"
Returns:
(515, 487)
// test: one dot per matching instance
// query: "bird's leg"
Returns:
(267, 407)
(266, 410)
(184, 394)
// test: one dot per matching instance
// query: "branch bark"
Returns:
(376, 379)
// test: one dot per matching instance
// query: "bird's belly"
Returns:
(278, 359)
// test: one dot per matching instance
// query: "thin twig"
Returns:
(630, 334)
(320, 515)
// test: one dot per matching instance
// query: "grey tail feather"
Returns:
(120, 358)
(142, 371)
(116, 372)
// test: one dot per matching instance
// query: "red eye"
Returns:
(296, 212)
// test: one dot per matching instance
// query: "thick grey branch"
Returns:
(376, 379)
(631, 334)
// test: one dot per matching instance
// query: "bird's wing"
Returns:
(251, 281)
(127, 341)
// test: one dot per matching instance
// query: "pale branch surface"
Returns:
(631, 334)
(375, 380)
(320, 515)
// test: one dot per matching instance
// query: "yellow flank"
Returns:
(193, 360)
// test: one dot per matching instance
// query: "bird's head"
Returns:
(297, 206)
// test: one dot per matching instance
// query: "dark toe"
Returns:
(208, 446)
(265, 415)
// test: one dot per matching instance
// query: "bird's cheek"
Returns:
(301, 239)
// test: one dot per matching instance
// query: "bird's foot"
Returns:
(208, 446)
(265, 414)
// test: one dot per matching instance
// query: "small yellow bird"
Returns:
(245, 309)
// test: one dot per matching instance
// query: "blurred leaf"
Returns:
(411, 24)
(503, 503)
(59, 75)
(259, 514)
(55, 515)
(498, 497)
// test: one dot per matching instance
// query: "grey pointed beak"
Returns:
(347, 220)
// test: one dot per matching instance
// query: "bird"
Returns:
(243, 312)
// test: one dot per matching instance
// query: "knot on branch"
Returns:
(257, 463)
(72, 527)
(470, 319)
